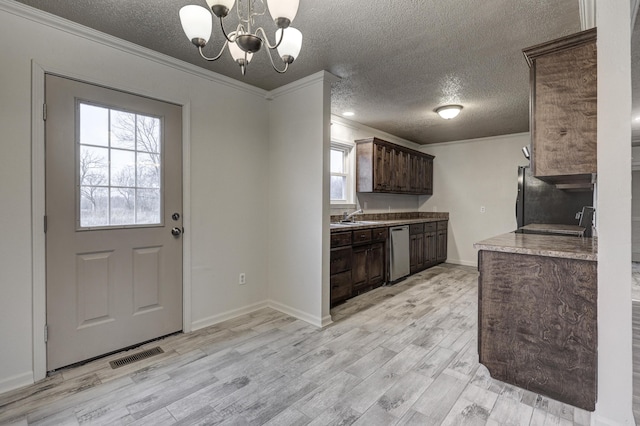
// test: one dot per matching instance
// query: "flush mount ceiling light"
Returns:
(348, 114)
(449, 111)
(244, 41)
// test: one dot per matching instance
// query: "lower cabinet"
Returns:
(340, 267)
(441, 251)
(427, 245)
(367, 267)
(358, 262)
(359, 257)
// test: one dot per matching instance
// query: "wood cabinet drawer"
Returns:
(340, 260)
(341, 286)
(430, 227)
(339, 239)
(416, 228)
(362, 236)
(442, 225)
(379, 234)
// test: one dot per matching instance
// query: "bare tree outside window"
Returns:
(120, 183)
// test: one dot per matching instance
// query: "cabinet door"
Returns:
(442, 245)
(428, 176)
(375, 264)
(340, 286)
(382, 171)
(413, 173)
(430, 248)
(340, 260)
(359, 275)
(416, 252)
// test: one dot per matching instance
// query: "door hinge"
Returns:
(45, 224)
(46, 333)
(44, 112)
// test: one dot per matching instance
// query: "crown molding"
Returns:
(44, 18)
(587, 14)
(302, 83)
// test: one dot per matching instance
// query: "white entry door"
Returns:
(114, 220)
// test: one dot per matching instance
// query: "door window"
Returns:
(119, 167)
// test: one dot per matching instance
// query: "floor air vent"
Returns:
(130, 359)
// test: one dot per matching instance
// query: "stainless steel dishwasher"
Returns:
(399, 256)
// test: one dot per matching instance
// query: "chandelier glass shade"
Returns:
(244, 40)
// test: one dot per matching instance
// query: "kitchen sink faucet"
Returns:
(349, 217)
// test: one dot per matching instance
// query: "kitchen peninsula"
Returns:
(537, 324)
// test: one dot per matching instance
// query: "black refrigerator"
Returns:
(541, 202)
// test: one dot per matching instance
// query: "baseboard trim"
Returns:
(225, 316)
(16, 382)
(462, 262)
(296, 313)
(597, 420)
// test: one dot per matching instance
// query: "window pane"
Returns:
(148, 132)
(123, 168)
(337, 161)
(120, 183)
(123, 130)
(94, 125)
(94, 206)
(148, 206)
(94, 166)
(338, 187)
(122, 206)
(148, 170)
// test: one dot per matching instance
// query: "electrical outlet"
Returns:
(242, 279)
(482, 209)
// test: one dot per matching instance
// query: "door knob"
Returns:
(176, 231)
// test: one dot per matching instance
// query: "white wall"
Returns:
(613, 208)
(470, 174)
(228, 174)
(298, 199)
(346, 132)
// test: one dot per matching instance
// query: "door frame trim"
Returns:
(38, 261)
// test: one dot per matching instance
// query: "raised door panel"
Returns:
(414, 181)
(375, 264)
(416, 252)
(359, 276)
(340, 260)
(428, 176)
(442, 246)
(382, 170)
(341, 286)
(430, 248)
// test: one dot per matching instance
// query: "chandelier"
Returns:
(244, 41)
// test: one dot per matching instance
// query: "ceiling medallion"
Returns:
(197, 23)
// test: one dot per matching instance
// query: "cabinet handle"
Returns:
(363, 236)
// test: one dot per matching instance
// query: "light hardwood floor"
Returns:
(399, 355)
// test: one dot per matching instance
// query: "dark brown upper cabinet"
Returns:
(382, 166)
(563, 109)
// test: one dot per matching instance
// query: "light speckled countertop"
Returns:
(568, 247)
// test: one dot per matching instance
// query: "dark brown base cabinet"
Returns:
(427, 245)
(358, 260)
(537, 325)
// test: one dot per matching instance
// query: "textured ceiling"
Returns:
(397, 60)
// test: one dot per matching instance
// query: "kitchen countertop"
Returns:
(569, 247)
(555, 229)
(336, 227)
